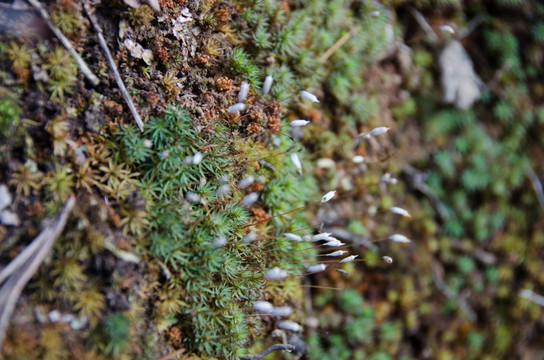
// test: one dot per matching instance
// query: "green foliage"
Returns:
(241, 64)
(69, 22)
(355, 326)
(538, 32)
(116, 328)
(18, 55)
(59, 183)
(215, 283)
(62, 71)
(9, 114)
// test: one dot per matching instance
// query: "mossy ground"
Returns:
(138, 259)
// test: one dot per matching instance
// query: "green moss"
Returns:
(241, 64)
(116, 327)
(10, 113)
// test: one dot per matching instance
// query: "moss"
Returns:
(10, 112)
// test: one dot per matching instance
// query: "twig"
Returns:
(265, 352)
(532, 296)
(67, 44)
(417, 181)
(18, 278)
(471, 26)
(537, 185)
(338, 44)
(424, 24)
(120, 84)
(438, 273)
(492, 84)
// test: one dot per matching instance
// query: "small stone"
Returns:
(9, 218)
(5, 197)
(54, 316)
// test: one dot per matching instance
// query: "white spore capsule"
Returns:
(163, 155)
(219, 242)
(54, 316)
(321, 236)
(236, 108)
(378, 131)
(328, 196)
(192, 197)
(399, 211)
(223, 190)
(349, 258)
(267, 84)
(296, 162)
(309, 96)
(316, 268)
(289, 325)
(388, 179)
(334, 243)
(337, 253)
(263, 306)
(293, 237)
(250, 237)
(197, 158)
(245, 182)
(448, 29)
(275, 274)
(299, 123)
(250, 199)
(244, 89)
(358, 159)
(188, 160)
(399, 238)
(148, 144)
(387, 259)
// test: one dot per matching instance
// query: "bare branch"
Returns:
(120, 84)
(532, 296)
(471, 26)
(18, 277)
(438, 272)
(338, 44)
(537, 185)
(424, 24)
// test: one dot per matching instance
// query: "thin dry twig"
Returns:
(537, 185)
(17, 277)
(120, 84)
(338, 44)
(532, 296)
(471, 26)
(417, 181)
(265, 352)
(65, 42)
(424, 24)
(438, 272)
